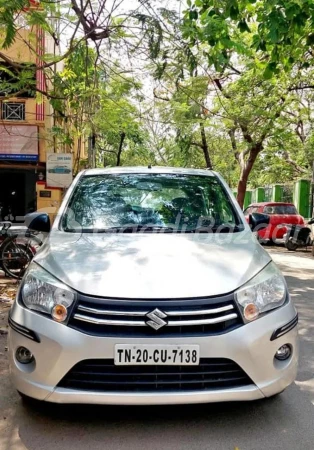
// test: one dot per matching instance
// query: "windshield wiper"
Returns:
(137, 228)
(218, 229)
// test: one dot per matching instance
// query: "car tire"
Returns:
(274, 397)
(291, 246)
(29, 401)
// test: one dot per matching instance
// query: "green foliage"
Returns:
(231, 82)
(7, 16)
(92, 103)
(17, 81)
(247, 113)
(278, 31)
(153, 31)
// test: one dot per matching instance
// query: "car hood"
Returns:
(156, 266)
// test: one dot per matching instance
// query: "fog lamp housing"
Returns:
(284, 352)
(23, 355)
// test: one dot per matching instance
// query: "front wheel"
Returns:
(291, 246)
(15, 257)
(29, 401)
(274, 396)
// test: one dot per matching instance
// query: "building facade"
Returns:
(26, 119)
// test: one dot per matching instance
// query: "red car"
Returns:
(279, 214)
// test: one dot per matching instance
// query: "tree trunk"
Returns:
(246, 167)
(242, 188)
(122, 137)
(92, 151)
(205, 148)
(78, 156)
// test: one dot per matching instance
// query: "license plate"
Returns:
(156, 355)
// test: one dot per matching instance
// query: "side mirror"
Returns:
(258, 221)
(38, 221)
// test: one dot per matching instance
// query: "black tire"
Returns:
(291, 246)
(15, 257)
(273, 397)
(261, 240)
(29, 401)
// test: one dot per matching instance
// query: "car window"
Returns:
(251, 210)
(269, 210)
(280, 209)
(186, 202)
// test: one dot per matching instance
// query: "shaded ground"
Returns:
(285, 423)
(7, 294)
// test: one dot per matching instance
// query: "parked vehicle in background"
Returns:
(299, 236)
(280, 214)
(132, 301)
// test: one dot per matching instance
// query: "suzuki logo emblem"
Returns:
(156, 321)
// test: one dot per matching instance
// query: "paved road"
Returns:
(284, 423)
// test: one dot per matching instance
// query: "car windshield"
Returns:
(154, 202)
(280, 209)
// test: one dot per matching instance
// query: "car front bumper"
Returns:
(60, 348)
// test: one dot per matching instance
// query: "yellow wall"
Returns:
(45, 141)
(46, 204)
(23, 48)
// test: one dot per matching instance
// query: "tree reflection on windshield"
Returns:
(149, 202)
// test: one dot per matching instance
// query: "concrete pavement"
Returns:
(283, 423)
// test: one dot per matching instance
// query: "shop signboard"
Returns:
(59, 170)
(19, 142)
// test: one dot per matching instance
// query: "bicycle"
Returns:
(16, 250)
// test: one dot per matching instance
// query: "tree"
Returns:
(91, 93)
(278, 32)
(149, 88)
(90, 102)
(70, 24)
(180, 92)
(116, 122)
(247, 43)
(75, 99)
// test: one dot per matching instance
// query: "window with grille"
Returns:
(13, 111)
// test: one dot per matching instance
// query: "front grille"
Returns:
(160, 318)
(102, 375)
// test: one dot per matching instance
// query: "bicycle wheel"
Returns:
(15, 257)
(30, 241)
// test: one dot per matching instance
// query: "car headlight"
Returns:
(44, 293)
(266, 291)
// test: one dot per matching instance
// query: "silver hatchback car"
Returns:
(151, 289)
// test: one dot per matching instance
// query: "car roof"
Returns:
(153, 169)
(271, 204)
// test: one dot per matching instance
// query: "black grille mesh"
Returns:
(103, 376)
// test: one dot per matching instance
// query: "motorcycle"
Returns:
(298, 236)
